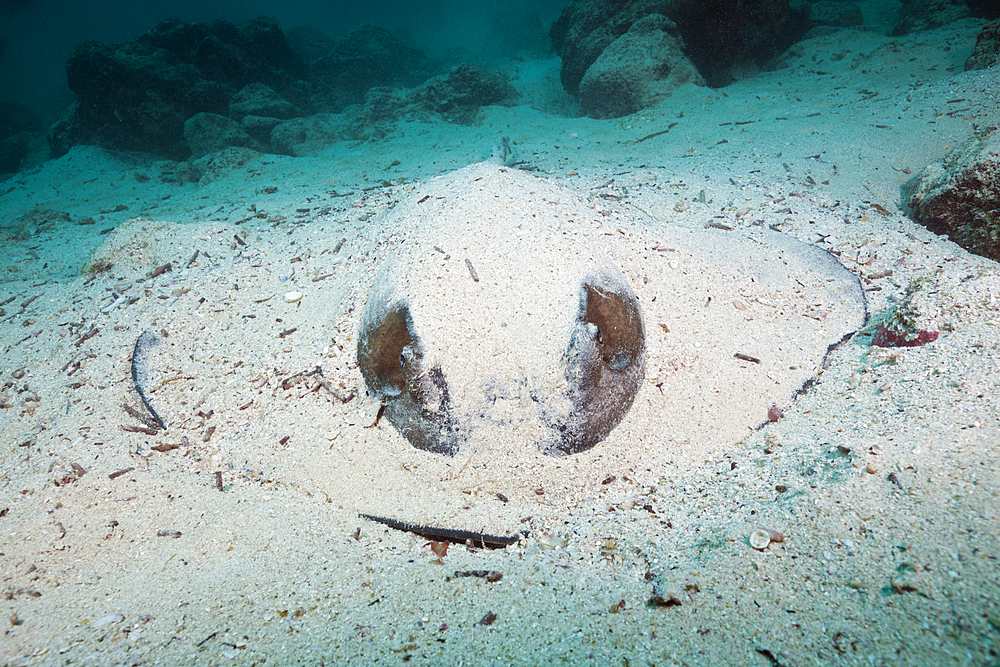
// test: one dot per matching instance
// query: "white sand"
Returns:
(883, 477)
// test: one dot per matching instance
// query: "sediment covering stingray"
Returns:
(737, 322)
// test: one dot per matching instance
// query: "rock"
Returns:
(717, 34)
(586, 27)
(363, 59)
(257, 99)
(260, 127)
(986, 53)
(311, 44)
(917, 15)
(301, 137)
(458, 95)
(637, 70)
(137, 95)
(208, 132)
(455, 97)
(960, 196)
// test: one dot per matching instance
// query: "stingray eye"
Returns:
(414, 393)
(606, 361)
(620, 333)
(380, 353)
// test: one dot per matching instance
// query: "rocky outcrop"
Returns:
(717, 34)
(637, 70)
(301, 137)
(458, 95)
(919, 15)
(138, 95)
(208, 132)
(455, 97)
(960, 196)
(260, 100)
(344, 70)
(987, 50)
(586, 27)
(186, 90)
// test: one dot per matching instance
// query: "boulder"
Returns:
(718, 34)
(637, 70)
(586, 27)
(257, 99)
(458, 95)
(986, 53)
(208, 133)
(301, 137)
(960, 196)
(260, 127)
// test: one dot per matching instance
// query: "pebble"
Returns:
(104, 620)
(293, 297)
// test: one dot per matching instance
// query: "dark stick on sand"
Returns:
(455, 535)
(140, 371)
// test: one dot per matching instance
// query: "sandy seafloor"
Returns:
(883, 477)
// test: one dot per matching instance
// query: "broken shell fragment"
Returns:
(293, 297)
(759, 539)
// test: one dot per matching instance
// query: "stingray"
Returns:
(520, 328)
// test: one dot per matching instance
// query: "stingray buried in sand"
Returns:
(505, 345)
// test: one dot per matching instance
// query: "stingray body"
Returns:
(510, 314)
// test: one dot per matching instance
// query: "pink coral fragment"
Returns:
(886, 337)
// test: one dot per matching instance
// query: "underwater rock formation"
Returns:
(455, 97)
(137, 95)
(343, 70)
(986, 53)
(919, 15)
(458, 95)
(717, 34)
(960, 195)
(186, 89)
(637, 70)
(259, 100)
(208, 132)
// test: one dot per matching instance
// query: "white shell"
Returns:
(759, 539)
(292, 297)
